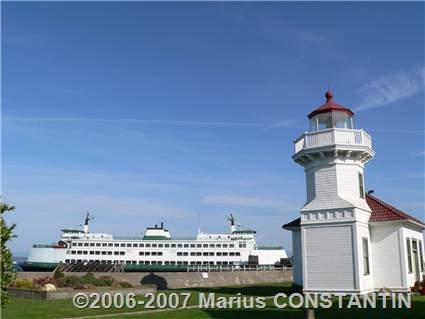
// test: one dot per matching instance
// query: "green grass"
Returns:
(21, 308)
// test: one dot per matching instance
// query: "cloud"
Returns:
(415, 154)
(391, 88)
(247, 201)
(414, 175)
(282, 124)
(126, 120)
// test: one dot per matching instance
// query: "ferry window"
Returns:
(179, 253)
(205, 262)
(91, 244)
(147, 262)
(192, 253)
(224, 245)
(104, 244)
(154, 245)
(116, 252)
(211, 253)
(128, 245)
(198, 245)
(122, 245)
(79, 252)
(173, 263)
(128, 261)
(86, 244)
(141, 245)
(192, 263)
(67, 260)
(103, 252)
(185, 263)
(212, 245)
(153, 262)
(205, 254)
(205, 245)
(167, 245)
(134, 262)
(147, 253)
(160, 245)
(134, 245)
(97, 244)
(224, 262)
(218, 253)
(191, 245)
(122, 253)
(91, 252)
(166, 262)
(159, 253)
(238, 253)
(116, 245)
(85, 252)
(231, 246)
(110, 244)
(97, 252)
(180, 245)
(80, 244)
(73, 252)
(198, 253)
(225, 254)
(148, 245)
(179, 263)
(218, 245)
(231, 254)
(154, 253)
(199, 262)
(109, 252)
(173, 245)
(141, 253)
(211, 263)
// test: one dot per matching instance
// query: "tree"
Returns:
(6, 261)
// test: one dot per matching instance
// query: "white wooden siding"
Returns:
(328, 258)
(297, 257)
(386, 256)
(411, 233)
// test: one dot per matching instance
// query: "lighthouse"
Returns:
(334, 219)
(347, 240)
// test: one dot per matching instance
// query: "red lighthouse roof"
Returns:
(330, 106)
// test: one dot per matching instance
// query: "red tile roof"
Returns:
(381, 212)
(330, 106)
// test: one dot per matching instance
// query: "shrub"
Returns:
(41, 282)
(71, 281)
(125, 284)
(23, 283)
(58, 275)
(105, 281)
(89, 278)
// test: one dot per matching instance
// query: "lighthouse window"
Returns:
(421, 255)
(409, 256)
(361, 185)
(366, 270)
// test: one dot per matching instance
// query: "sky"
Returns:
(184, 112)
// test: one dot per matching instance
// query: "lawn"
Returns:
(21, 308)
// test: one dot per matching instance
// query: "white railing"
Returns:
(332, 136)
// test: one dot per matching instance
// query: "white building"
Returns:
(347, 240)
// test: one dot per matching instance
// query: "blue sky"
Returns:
(149, 112)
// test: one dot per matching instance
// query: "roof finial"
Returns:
(329, 95)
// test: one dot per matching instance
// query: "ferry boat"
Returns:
(156, 250)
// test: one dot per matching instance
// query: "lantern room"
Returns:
(330, 115)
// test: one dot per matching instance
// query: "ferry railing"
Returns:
(223, 268)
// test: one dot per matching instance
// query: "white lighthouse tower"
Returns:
(333, 230)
